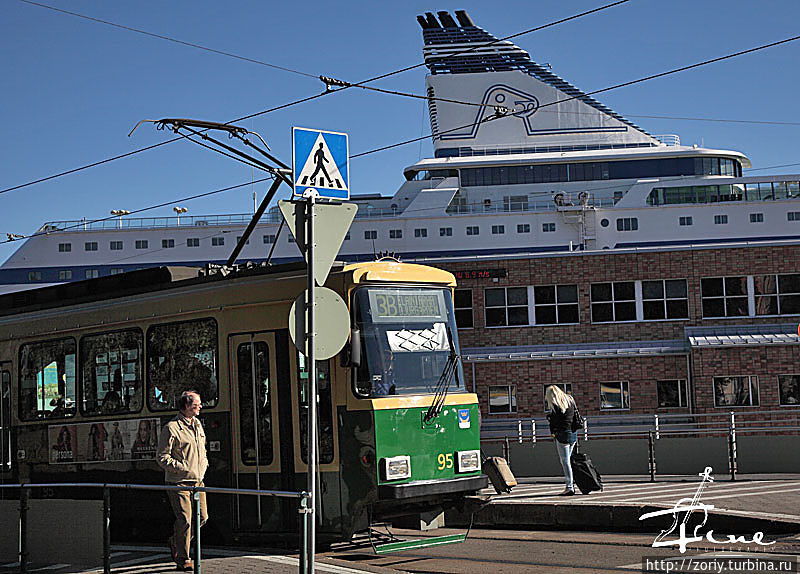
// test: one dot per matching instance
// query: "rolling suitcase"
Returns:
(584, 473)
(499, 473)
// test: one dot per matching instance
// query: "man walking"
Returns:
(182, 455)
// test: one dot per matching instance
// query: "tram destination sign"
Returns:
(415, 305)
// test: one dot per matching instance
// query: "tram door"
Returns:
(5, 417)
(256, 375)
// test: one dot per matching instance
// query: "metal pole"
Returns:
(23, 530)
(196, 502)
(732, 446)
(106, 530)
(519, 431)
(652, 456)
(533, 431)
(312, 385)
(506, 450)
(303, 532)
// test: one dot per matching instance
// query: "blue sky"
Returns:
(73, 89)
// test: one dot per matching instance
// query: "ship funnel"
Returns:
(432, 22)
(464, 19)
(447, 19)
(423, 23)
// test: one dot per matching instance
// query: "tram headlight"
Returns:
(397, 467)
(469, 461)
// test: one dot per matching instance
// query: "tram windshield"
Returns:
(407, 337)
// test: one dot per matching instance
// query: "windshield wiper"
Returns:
(443, 384)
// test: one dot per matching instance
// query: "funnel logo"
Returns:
(520, 105)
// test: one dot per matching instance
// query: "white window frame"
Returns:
(666, 299)
(193, 242)
(778, 295)
(506, 307)
(637, 298)
(724, 297)
(64, 247)
(624, 387)
(750, 384)
(445, 232)
(523, 227)
(780, 394)
(683, 397)
(511, 395)
(116, 245)
(558, 305)
(421, 232)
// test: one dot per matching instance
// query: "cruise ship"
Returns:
(524, 163)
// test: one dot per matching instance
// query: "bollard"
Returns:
(506, 451)
(519, 431)
(106, 530)
(23, 529)
(533, 431)
(196, 503)
(652, 456)
(732, 462)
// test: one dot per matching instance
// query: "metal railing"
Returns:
(729, 424)
(303, 508)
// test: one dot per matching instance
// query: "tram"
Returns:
(90, 371)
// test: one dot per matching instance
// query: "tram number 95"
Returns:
(445, 460)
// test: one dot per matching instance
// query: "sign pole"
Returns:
(312, 384)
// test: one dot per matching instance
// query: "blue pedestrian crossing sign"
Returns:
(320, 162)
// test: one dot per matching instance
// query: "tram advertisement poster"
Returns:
(104, 441)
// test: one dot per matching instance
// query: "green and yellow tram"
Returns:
(91, 370)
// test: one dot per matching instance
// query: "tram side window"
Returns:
(262, 417)
(111, 372)
(5, 420)
(324, 409)
(47, 379)
(181, 357)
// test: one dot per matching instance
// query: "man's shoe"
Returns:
(187, 566)
(173, 549)
(567, 492)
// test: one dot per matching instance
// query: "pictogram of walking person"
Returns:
(320, 160)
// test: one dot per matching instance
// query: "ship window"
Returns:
(347, 236)
(34, 275)
(498, 229)
(613, 302)
(445, 232)
(555, 304)
(111, 372)
(167, 243)
(724, 296)
(523, 228)
(141, 244)
(216, 242)
(548, 227)
(627, 223)
(736, 391)
(462, 305)
(473, 230)
(422, 232)
(290, 238)
(115, 245)
(193, 242)
(720, 219)
(502, 399)
(665, 299)
(777, 294)
(686, 220)
(65, 275)
(371, 234)
(789, 389)
(756, 218)
(793, 216)
(506, 306)
(614, 396)
(180, 357)
(395, 234)
(269, 239)
(604, 222)
(672, 393)
(515, 202)
(239, 239)
(92, 273)
(64, 247)
(90, 246)
(116, 271)
(47, 385)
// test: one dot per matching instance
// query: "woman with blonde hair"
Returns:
(562, 411)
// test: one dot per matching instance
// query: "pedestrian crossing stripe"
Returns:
(320, 161)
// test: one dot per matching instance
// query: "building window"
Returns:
(665, 299)
(756, 218)
(116, 271)
(793, 216)
(167, 243)
(554, 304)
(115, 245)
(65, 275)
(548, 227)
(613, 302)
(614, 396)
(789, 389)
(627, 223)
(141, 244)
(269, 239)
(506, 306)
(34, 275)
(371, 234)
(193, 242)
(777, 294)
(92, 273)
(462, 304)
(502, 399)
(64, 247)
(217, 241)
(523, 227)
(566, 387)
(724, 296)
(422, 232)
(395, 234)
(686, 220)
(498, 229)
(445, 232)
(736, 391)
(473, 230)
(720, 220)
(90, 246)
(672, 393)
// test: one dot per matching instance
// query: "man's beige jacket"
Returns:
(182, 451)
